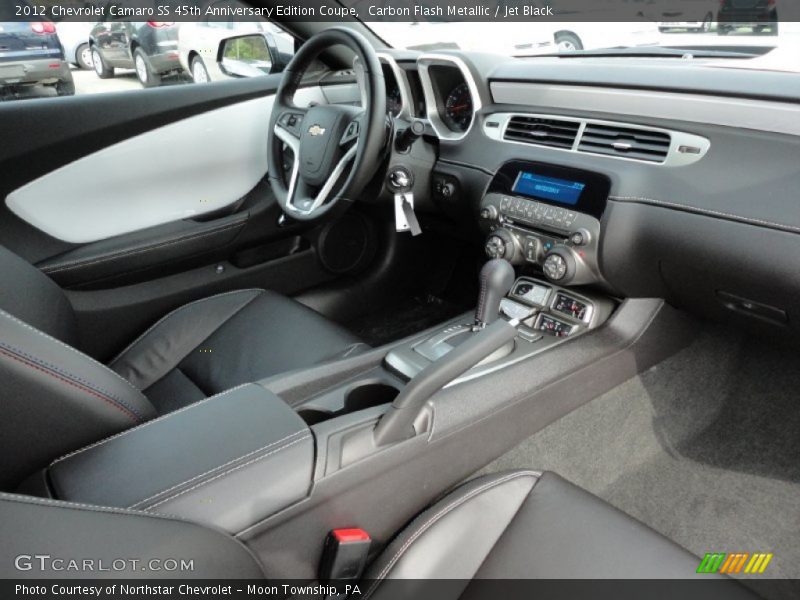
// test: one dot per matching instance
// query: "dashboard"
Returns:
(604, 173)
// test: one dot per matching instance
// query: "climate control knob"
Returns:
(559, 265)
(501, 244)
(495, 247)
(555, 267)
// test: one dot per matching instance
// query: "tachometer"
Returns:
(458, 108)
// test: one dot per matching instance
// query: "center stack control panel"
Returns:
(546, 215)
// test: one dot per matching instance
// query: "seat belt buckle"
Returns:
(344, 555)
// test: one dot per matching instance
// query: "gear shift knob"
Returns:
(496, 278)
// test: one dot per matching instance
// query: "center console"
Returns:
(367, 440)
(544, 314)
(548, 216)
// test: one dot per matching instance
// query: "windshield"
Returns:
(753, 34)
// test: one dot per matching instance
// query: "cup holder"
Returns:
(360, 397)
(369, 395)
(312, 416)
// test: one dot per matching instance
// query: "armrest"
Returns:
(230, 461)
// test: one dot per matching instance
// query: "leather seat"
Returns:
(57, 399)
(528, 525)
(515, 525)
(214, 344)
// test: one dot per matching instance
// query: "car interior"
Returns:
(417, 293)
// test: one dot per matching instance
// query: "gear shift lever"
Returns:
(496, 279)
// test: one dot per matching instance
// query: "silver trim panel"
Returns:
(431, 106)
(402, 83)
(675, 157)
(326, 189)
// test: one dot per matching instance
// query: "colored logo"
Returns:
(735, 563)
(316, 130)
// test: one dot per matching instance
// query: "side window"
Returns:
(115, 55)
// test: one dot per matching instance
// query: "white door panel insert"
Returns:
(182, 170)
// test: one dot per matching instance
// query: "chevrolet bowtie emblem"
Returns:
(316, 130)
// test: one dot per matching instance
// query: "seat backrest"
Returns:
(33, 297)
(53, 398)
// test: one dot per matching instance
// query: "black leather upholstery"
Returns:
(211, 345)
(230, 461)
(527, 525)
(33, 297)
(56, 399)
(64, 531)
(516, 525)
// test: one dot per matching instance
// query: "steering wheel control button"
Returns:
(350, 134)
(291, 122)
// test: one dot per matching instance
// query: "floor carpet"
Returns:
(704, 447)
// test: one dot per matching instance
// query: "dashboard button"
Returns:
(489, 212)
(532, 249)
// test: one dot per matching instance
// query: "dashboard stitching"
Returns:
(706, 211)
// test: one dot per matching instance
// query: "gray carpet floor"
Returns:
(704, 447)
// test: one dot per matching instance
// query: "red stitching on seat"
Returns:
(72, 383)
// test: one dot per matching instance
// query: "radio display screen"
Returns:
(556, 190)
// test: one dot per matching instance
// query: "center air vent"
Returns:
(542, 132)
(625, 142)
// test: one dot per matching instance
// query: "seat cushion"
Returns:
(526, 525)
(69, 532)
(219, 342)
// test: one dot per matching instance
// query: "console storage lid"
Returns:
(230, 461)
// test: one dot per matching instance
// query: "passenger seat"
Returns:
(514, 525)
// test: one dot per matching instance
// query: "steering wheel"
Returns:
(330, 143)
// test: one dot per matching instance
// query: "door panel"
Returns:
(190, 168)
(49, 135)
(84, 169)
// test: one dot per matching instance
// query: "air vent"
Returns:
(543, 132)
(625, 142)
